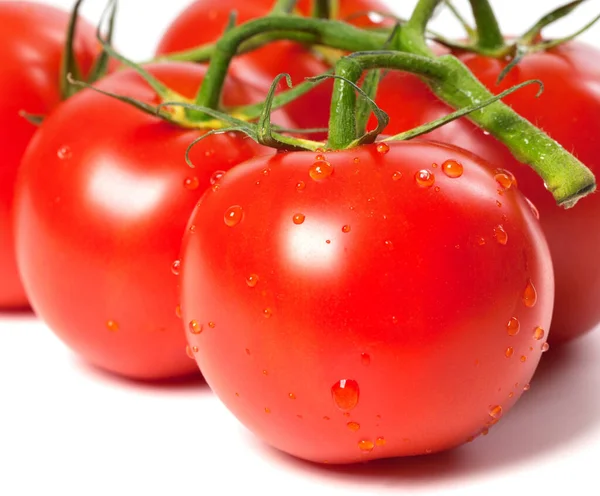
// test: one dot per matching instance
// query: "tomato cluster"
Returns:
(388, 299)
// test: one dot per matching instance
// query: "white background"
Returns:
(68, 429)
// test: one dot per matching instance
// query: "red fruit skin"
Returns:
(31, 46)
(367, 277)
(569, 111)
(102, 201)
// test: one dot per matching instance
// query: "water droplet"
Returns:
(233, 216)
(511, 394)
(389, 244)
(534, 210)
(380, 441)
(328, 241)
(298, 219)
(425, 178)
(353, 426)
(267, 312)
(356, 160)
(345, 394)
(64, 153)
(500, 235)
(365, 359)
(434, 165)
(480, 240)
(252, 280)
(505, 178)
(513, 326)
(346, 229)
(530, 294)
(178, 311)
(292, 396)
(496, 412)
(266, 172)
(189, 352)
(265, 372)
(216, 176)
(452, 168)
(192, 228)
(538, 333)
(510, 351)
(523, 358)
(526, 387)
(437, 189)
(267, 410)
(112, 326)
(211, 325)
(300, 185)
(191, 183)
(320, 170)
(394, 320)
(320, 158)
(176, 267)
(366, 445)
(195, 327)
(195, 349)
(383, 148)
(498, 204)
(545, 347)
(396, 176)
(485, 432)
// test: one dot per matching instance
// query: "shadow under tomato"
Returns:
(561, 406)
(187, 383)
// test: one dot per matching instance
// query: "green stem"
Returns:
(283, 7)
(334, 34)
(489, 36)
(411, 38)
(565, 177)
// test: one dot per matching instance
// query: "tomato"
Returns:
(366, 304)
(270, 60)
(569, 111)
(31, 46)
(102, 200)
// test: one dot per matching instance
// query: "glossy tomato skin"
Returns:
(366, 314)
(102, 201)
(31, 46)
(310, 110)
(569, 111)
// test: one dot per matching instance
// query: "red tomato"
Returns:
(31, 46)
(366, 304)
(102, 200)
(569, 111)
(270, 60)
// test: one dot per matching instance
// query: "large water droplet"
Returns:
(530, 295)
(538, 333)
(425, 178)
(345, 394)
(64, 153)
(176, 267)
(320, 170)
(191, 183)
(452, 168)
(298, 219)
(346, 229)
(500, 235)
(513, 326)
(383, 148)
(496, 412)
(510, 351)
(380, 441)
(195, 327)
(396, 176)
(366, 445)
(353, 426)
(233, 216)
(216, 176)
(505, 178)
(252, 280)
(112, 326)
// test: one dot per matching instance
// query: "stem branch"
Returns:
(489, 36)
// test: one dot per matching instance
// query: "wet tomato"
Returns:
(102, 200)
(376, 302)
(269, 61)
(31, 46)
(569, 111)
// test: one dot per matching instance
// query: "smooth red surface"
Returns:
(310, 110)
(410, 300)
(569, 111)
(101, 207)
(31, 44)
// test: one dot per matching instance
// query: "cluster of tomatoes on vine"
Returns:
(347, 296)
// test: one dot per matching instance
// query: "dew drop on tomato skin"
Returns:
(510, 351)
(513, 326)
(365, 359)
(526, 387)
(534, 210)
(320, 170)
(496, 412)
(267, 410)
(189, 352)
(195, 327)
(212, 325)
(380, 441)
(346, 229)
(425, 178)
(353, 426)
(320, 158)
(300, 186)
(530, 295)
(505, 178)
(383, 148)
(388, 244)
(538, 333)
(500, 235)
(112, 326)
(292, 396)
(345, 394)
(545, 347)
(480, 240)
(298, 219)
(252, 280)
(191, 183)
(64, 153)
(233, 216)
(396, 176)
(192, 228)
(216, 177)
(366, 445)
(176, 267)
(267, 312)
(178, 311)
(452, 168)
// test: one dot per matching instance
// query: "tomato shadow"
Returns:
(184, 384)
(561, 407)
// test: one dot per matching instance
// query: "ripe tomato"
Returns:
(102, 200)
(569, 111)
(31, 46)
(271, 60)
(366, 304)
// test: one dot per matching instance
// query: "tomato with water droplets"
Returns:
(98, 231)
(398, 328)
(32, 38)
(569, 111)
